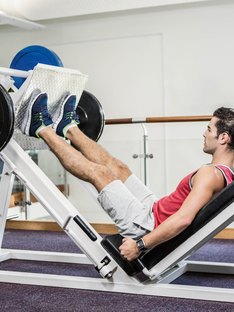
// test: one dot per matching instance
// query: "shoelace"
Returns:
(71, 116)
(37, 117)
(41, 116)
(68, 115)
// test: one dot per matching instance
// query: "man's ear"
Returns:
(224, 138)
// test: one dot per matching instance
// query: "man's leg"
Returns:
(38, 123)
(76, 163)
(96, 153)
(65, 125)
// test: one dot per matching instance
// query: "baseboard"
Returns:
(102, 228)
(226, 234)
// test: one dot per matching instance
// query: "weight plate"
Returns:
(7, 117)
(27, 58)
(91, 116)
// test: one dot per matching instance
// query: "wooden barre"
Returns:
(121, 121)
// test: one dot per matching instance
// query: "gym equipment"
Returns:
(27, 58)
(154, 277)
(6, 117)
(90, 109)
(91, 116)
(157, 255)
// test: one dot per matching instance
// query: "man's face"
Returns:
(210, 137)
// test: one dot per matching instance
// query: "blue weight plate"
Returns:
(29, 57)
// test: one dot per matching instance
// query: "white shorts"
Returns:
(129, 205)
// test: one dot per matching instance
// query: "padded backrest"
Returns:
(112, 242)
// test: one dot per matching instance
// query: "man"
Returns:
(142, 219)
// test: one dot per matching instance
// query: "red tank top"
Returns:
(168, 205)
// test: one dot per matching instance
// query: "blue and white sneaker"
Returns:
(67, 117)
(37, 116)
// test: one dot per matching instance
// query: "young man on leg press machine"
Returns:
(142, 219)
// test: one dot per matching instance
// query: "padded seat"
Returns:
(153, 256)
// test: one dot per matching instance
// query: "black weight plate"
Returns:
(7, 117)
(91, 116)
(27, 58)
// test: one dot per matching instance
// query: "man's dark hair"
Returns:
(225, 123)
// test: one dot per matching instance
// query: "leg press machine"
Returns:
(151, 274)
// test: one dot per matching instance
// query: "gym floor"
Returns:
(39, 298)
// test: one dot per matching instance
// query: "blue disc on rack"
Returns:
(27, 58)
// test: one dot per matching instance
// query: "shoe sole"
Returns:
(61, 112)
(23, 109)
(27, 127)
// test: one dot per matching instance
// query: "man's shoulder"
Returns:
(210, 176)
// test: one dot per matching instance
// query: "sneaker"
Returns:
(67, 117)
(37, 116)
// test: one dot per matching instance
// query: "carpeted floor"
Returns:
(15, 297)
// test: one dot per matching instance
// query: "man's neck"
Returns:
(224, 158)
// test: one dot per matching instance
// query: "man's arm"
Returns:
(206, 182)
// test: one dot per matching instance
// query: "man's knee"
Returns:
(121, 170)
(121, 165)
(104, 172)
(101, 176)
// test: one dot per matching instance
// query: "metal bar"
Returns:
(27, 201)
(91, 283)
(14, 72)
(145, 151)
(6, 185)
(45, 256)
(120, 121)
(210, 267)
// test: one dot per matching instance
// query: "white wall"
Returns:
(153, 62)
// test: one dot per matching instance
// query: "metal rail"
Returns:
(120, 121)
